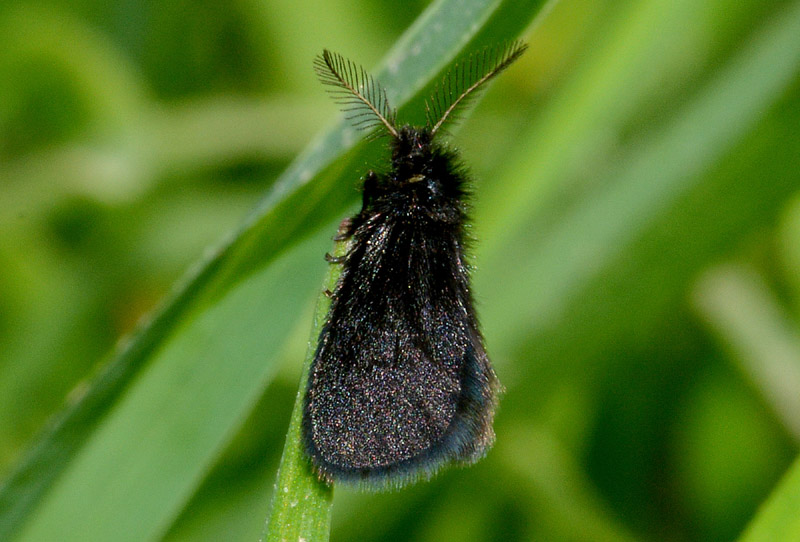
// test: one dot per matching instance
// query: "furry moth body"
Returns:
(400, 384)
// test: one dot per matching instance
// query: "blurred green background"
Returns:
(637, 203)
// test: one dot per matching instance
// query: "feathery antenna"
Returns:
(460, 83)
(354, 89)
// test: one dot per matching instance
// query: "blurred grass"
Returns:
(638, 145)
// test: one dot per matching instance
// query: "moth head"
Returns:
(411, 149)
(421, 167)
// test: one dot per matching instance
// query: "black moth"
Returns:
(400, 383)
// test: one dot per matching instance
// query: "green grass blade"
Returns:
(58, 483)
(779, 517)
(301, 503)
(742, 312)
(637, 192)
(637, 144)
(153, 447)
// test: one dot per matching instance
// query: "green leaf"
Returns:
(612, 230)
(301, 503)
(742, 312)
(638, 143)
(120, 444)
(779, 517)
(152, 449)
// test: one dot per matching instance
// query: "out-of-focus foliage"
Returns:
(637, 270)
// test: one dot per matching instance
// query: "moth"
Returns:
(400, 384)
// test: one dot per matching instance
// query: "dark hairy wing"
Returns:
(400, 380)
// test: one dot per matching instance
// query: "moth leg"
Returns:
(334, 259)
(345, 230)
(328, 293)
(370, 188)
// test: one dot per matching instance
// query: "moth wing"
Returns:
(401, 382)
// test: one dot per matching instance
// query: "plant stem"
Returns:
(301, 503)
